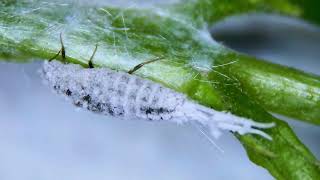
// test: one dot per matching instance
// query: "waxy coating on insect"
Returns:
(127, 96)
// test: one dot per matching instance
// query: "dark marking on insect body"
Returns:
(110, 110)
(87, 98)
(78, 104)
(97, 108)
(68, 92)
(157, 111)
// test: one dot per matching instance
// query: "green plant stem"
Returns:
(131, 36)
(294, 93)
(212, 11)
(277, 88)
(285, 157)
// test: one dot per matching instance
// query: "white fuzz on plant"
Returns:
(127, 96)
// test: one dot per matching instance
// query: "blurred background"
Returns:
(44, 137)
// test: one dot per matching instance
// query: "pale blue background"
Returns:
(43, 137)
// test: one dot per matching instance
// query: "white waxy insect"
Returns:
(128, 96)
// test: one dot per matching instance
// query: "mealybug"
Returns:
(124, 95)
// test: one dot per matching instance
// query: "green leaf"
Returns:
(127, 37)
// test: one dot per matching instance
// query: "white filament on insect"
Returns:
(127, 96)
(208, 137)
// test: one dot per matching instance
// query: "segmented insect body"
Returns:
(120, 94)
